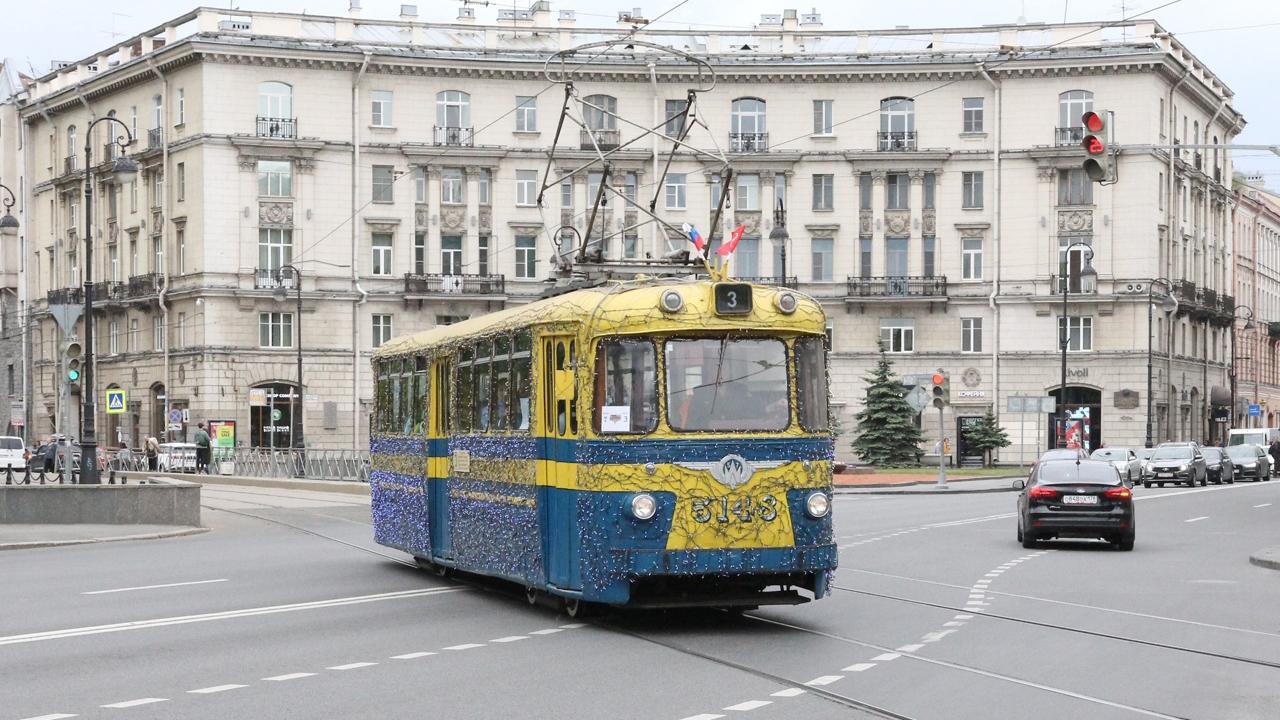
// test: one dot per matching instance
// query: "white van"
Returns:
(13, 454)
(1261, 437)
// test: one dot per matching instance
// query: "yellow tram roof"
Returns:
(626, 308)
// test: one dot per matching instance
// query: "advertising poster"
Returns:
(222, 434)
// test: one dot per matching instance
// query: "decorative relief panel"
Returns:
(930, 222)
(486, 218)
(566, 218)
(421, 215)
(897, 222)
(865, 222)
(275, 213)
(972, 232)
(1075, 221)
(750, 220)
(453, 217)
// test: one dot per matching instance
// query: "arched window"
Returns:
(1071, 105)
(157, 105)
(453, 118)
(275, 110)
(897, 124)
(71, 148)
(603, 118)
(1217, 169)
(747, 126)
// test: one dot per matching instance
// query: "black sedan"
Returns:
(1250, 461)
(1175, 463)
(1083, 498)
(1218, 466)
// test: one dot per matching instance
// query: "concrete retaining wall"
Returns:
(154, 503)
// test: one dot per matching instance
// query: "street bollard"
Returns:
(8, 475)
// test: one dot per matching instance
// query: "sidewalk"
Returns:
(23, 537)
(1268, 558)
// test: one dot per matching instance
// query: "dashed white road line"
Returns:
(411, 656)
(1263, 505)
(290, 676)
(510, 638)
(909, 648)
(789, 692)
(824, 680)
(153, 587)
(352, 666)
(859, 667)
(55, 716)
(464, 646)
(134, 703)
(749, 705)
(1197, 519)
(547, 631)
(215, 689)
(886, 657)
(704, 716)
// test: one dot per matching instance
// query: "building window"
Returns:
(746, 257)
(451, 255)
(420, 184)
(113, 262)
(158, 334)
(526, 114)
(823, 190)
(971, 259)
(566, 193)
(1069, 267)
(483, 185)
(382, 254)
(482, 257)
(604, 114)
(972, 190)
(275, 330)
(133, 196)
(132, 341)
(748, 192)
(675, 123)
(929, 255)
(896, 188)
(779, 191)
(822, 120)
(419, 253)
(157, 189)
(897, 124)
(864, 257)
(1081, 338)
(823, 252)
(182, 330)
(631, 249)
(157, 254)
(182, 250)
(113, 343)
(182, 107)
(381, 112)
(526, 257)
(747, 117)
(898, 335)
(973, 115)
(275, 101)
(381, 329)
(182, 182)
(451, 188)
(1071, 106)
(930, 191)
(676, 191)
(526, 187)
(133, 121)
(384, 178)
(275, 248)
(275, 178)
(864, 191)
(971, 335)
(453, 109)
(1075, 188)
(713, 184)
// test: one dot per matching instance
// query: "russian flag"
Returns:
(693, 234)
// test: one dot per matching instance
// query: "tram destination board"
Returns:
(733, 298)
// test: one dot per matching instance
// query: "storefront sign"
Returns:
(973, 393)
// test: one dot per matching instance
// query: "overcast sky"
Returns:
(1217, 31)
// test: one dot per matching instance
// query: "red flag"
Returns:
(734, 239)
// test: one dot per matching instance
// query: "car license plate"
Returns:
(1164, 475)
(1080, 500)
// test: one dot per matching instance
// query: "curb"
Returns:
(115, 538)
(951, 485)
(1268, 558)
(347, 487)
(951, 490)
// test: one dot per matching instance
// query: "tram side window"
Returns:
(442, 393)
(404, 419)
(811, 382)
(481, 379)
(521, 380)
(466, 390)
(573, 403)
(500, 402)
(396, 412)
(626, 387)
(419, 392)
(382, 398)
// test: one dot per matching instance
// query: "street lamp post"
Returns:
(1088, 284)
(296, 427)
(1248, 325)
(9, 223)
(122, 170)
(779, 237)
(1168, 304)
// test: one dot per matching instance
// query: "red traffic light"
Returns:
(1092, 121)
(938, 378)
(1093, 145)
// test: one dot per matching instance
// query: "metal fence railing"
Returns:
(342, 465)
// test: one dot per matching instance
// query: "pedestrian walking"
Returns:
(152, 447)
(1275, 456)
(202, 449)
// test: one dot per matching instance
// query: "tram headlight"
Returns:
(817, 505)
(671, 301)
(786, 303)
(643, 506)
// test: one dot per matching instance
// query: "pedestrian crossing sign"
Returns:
(116, 402)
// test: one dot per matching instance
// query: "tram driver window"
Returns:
(811, 384)
(626, 387)
(727, 384)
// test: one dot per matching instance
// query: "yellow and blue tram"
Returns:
(649, 443)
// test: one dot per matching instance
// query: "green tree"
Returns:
(887, 433)
(986, 435)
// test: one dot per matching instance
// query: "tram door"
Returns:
(559, 431)
(439, 431)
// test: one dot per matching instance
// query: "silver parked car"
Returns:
(1125, 461)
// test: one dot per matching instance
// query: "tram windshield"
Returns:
(727, 384)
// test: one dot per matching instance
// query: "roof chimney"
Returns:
(353, 9)
(466, 16)
(408, 12)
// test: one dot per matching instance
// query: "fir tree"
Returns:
(887, 434)
(985, 436)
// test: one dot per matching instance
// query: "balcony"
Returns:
(155, 138)
(1228, 304)
(449, 135)
(1273, 330)
(897, 286)
(66, 296)
(441, 284)
(603, 139)
(1186, 292)
(1064, 136)
(748, 142)
(141, 286)
(267, 279)
(895, 140)
(110, 291)
(69, 164)
(788, 282)
(277, 127)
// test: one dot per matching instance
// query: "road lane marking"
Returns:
(952, 623)
(352, 666)
(411, 656)
(215, 689)
(886, 657)
(1197, 519)
(154, 587)
(749, 705)
(465, 646)
(225, 615)
(56, 716)
(1263, 505)
(909, 648)
(704, 716)
(789, 692)
(825, 680)
(290, 676)
(135, 703)
(859, 667)
(573, 626)
(547, 631)
(510, 638)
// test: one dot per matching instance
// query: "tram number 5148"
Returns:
(726, 509)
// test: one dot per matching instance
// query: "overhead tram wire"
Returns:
(446, 149)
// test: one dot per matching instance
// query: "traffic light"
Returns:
(72, 354)
(1100, 163)
(941, 384)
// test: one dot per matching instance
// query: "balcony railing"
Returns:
(1185, 290)
(898, 286)
(155, 138)
(449, 135)
(441, 284)
(1228, 304)
(789, 282)
(66, 296)
(267, 279)
(603, 139)
(896, 140)
(1068, 136)
(144, 285)
(1273, 330)
(69, 164)
(748, 142)
(277, 127)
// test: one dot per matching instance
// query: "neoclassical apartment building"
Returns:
(930, 179)
(1256, 216)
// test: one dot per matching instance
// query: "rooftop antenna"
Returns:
(113, 34)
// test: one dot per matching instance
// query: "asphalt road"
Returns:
(286, 609)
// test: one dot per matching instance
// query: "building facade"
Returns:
(934, 204)
(1256, 217)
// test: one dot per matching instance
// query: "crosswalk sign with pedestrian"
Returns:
(116, 402)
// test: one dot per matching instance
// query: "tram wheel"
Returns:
(576, 608)
(531, 595)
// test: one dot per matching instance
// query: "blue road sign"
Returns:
(1255, 410)
(116, 401)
